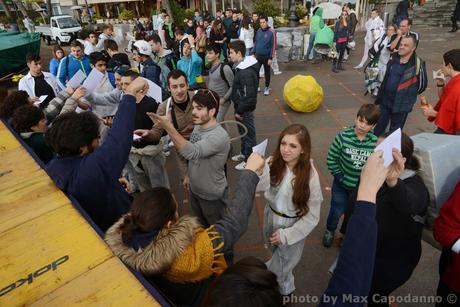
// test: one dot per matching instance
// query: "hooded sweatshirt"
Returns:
(316, 22)
(191, 66)
(245, 84)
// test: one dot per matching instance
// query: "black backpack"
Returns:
(222, 74)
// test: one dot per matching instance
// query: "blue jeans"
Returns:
(310, 46)
(397, 120)
(339, 202)
(249, 140)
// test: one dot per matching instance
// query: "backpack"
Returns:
(222, 74)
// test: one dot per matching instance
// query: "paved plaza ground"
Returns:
(343, 95)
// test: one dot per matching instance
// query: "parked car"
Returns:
(62, 29)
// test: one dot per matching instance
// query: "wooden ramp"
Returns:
(49, 254)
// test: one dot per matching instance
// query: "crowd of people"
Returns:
(107, 148)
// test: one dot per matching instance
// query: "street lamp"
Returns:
(293, 21)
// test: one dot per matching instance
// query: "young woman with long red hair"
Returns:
(294, 197)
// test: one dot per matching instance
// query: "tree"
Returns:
(49, 8)
(7, 9)
(21, 8)
(167, 7)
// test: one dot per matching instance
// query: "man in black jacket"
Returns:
(244, 96)
(455, 17)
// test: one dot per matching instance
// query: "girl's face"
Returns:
(290, 148)
(59, 54)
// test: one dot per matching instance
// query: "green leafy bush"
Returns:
(267, 8)
(39, 20)
(300, 11)
(126, 15)
(4, 19)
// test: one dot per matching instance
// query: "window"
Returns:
(54, 24)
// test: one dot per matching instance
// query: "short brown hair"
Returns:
(238, 46)
(370, 112)
(76, 43)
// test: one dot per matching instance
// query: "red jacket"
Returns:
(446, 230)
(448, 107)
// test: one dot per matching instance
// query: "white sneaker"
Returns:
(238, 158)
(241, 166)
(358, 67)
(267, 91)
(276, 73)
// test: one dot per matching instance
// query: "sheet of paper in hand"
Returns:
(76, 80)
(437, 74)
(261, 148)
(391, 141)
(93, 80)
(154, 91)
(40, 100)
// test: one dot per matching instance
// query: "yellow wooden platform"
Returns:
(49, 254)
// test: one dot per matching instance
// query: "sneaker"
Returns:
(358, 67)
(258, 89)
(238, 158)
(267, 91)
(241, 166)
(328, 238)
(276, 73)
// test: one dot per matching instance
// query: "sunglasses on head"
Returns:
(207, 91)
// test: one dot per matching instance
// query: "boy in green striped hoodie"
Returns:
(346, 157)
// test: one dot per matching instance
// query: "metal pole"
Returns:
(293, 21)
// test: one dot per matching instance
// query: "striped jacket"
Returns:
(413, 82)
(347, 156)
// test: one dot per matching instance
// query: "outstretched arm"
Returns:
(235, 220)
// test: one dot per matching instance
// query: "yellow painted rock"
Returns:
(303, 94)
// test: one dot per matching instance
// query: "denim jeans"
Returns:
(310, 47)
(249, 140)
(339, 202)
(397, 120)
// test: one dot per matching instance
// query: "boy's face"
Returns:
(40, 127)
(211, 56)
(235, 56)
(101, 66)
(362, 127)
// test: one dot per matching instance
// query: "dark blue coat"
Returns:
(93, 179)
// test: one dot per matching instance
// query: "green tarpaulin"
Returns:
(14, 48)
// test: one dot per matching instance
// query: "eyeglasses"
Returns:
(207, 91)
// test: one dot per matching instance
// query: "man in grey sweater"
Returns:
(207, 153)
(220, 79)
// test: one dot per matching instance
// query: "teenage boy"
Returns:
(107, 33)
(264, 49)
(99, 62)
(190, 62)
(206, 152)
(146, 160)
(346, 157)
(180, 111)
(163, 58)
(89, 172)
(89, 40)
(37, 83)
(220, 79)
(234, 28)
(117, 59)
(30, 122)
(72, 63)
(244, 96)
(150, 70)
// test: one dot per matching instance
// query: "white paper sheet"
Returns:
(437, 74)
(40, 100)
(76, 80)
(136, 137)
(392, 141)
(154, 91)
(92, 81)
(261, 148)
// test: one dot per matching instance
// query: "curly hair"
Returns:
(13, 101)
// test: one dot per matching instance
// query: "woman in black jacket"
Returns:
(341, 33)
(402, 202)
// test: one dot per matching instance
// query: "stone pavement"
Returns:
(343, 96)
